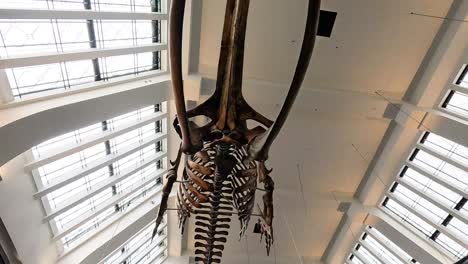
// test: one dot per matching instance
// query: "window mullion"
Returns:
(155, 7)
(432, 200)
(92, 41)
(388, 247)
(442, 229)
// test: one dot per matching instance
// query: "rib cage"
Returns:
(213, 197)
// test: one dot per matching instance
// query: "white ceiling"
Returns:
(375, 46)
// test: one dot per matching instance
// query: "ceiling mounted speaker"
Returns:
(326, 23)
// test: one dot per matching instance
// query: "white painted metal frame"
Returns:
(442, 157)
(453, 188)
(109, 159)
(106, 135)
(158, 240)
(455, 237)
(101, 208)
(432, 200)
(115, 218)
(368, 247)
(86, 54)
(370, 232)
(96, 189)
(7, 13)
(360, 255)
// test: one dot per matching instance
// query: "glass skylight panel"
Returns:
(458, 227)
(139, 195)
(99, 5)
(451, 246)
(132, 117)
(135, 250)
(369, 258)
(26, 81)
(36, 79)
(463, 78)
(447, 147)
(21, 37)
(441, 169)
(356, 260)
(439, 181)
(102, 207)
(381, 251)
(65, 194)
(118, 33)
(42, 4)
(431, 188)
(409, 217)
(385, 241)
(24, 37)
(458, 103)
(432, 212)
(50, 172)
(123, 65)
(79, 234)
(133, 138)
(373, 247)
(54, 144)
(74, 214)
(125, 5)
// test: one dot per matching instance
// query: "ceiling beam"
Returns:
(315, 102)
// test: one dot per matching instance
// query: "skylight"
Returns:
(140, 248)
(457, 102)
(374, 248)
(90, 187)
(28, 37)
(457, 99)
(98, 5)
(430, 193)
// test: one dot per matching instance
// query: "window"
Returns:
(457, 99)
(92, 187)
(140, 248)
(374, 248)
(430, 193)
(463, 78)
(25, 37)
(457, 102)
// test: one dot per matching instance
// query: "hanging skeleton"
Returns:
(225, 160)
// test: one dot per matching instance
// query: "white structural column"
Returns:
(357, 217)
(6, 94)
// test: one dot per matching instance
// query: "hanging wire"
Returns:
(299, 169)
(419, 122)
(289, 230)
(247, 249)
(367, 163)
(439, 17)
